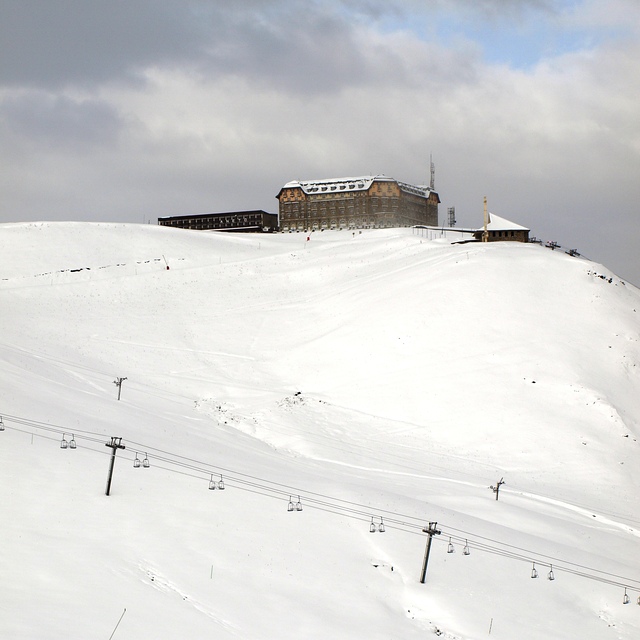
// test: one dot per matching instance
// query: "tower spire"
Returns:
(485, 233)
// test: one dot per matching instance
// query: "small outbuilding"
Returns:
(502, 230)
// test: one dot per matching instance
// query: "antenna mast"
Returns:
(432, 183)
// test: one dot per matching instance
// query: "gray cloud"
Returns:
(151, 109)
(294, 47)
(50, 43)
(304, 51)
(313, 47)
(59, 121)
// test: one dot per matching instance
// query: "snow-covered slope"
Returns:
(382, 375)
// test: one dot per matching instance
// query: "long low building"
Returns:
(355, 203)
(246, 221)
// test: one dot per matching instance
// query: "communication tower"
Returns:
(451, 213)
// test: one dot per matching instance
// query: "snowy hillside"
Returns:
(388, 377)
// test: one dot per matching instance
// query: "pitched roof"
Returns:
(361, 183)
(496, 223)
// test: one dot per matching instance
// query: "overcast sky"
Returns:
(128, 110)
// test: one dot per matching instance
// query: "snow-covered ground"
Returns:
(387, 374)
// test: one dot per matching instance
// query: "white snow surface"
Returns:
(500, 224)
(361, 183)
(385, 374)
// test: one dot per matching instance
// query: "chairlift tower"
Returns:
(496, 489)
(118, 382)
(114, 445)
(431, 530)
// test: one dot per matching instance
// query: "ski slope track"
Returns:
(332, 385)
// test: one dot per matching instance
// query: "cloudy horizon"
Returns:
(125, 112)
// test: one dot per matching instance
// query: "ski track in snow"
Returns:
(155, 579)
(587, 513)
(160, 347)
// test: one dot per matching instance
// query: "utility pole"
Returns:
(115, 444)
(431, 530)
(118, 382)
(496, 489)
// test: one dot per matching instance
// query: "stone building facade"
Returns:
(366, 202)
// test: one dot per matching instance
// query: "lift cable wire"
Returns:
(478, 538)
(329, 504)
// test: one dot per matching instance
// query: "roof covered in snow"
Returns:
(361, 183)
(496, 223)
